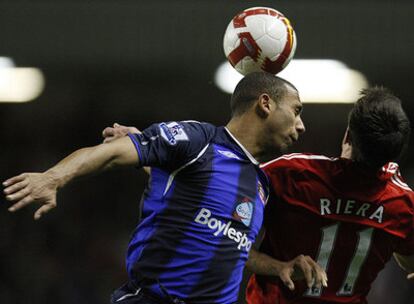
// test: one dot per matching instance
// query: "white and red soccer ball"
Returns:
(259, 39)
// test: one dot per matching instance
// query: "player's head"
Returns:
(252, 86)
(378, 127)
(273, 105)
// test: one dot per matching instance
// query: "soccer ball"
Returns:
(259, 39)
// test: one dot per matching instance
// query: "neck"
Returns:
(245, 131)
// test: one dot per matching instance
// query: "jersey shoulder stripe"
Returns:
(294, 156)
(397, 181)
(194, 121)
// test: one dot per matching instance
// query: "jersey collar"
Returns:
(251, 158)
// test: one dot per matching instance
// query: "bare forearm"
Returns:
(27, 188)
(80, 163)
(87, 161)
(262, 264)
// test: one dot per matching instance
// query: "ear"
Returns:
(264, 105)
(346, 145)
(347, 137)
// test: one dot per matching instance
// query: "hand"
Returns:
(111, 133)
(28, 188)
(410, 276)
(303, 267)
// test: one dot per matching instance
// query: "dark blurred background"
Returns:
(137, 62)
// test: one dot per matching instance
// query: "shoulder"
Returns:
(396, 188)
(398, 193)
(202, 130)
(299, 160)
(187, 130)
(393, 173)
(173, 143)
(199, 126)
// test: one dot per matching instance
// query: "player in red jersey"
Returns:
(350, 214)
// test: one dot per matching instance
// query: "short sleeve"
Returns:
(170, 145)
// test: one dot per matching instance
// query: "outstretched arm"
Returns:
(118, 131)
(41, 188)
(406, 263)
(298, 268)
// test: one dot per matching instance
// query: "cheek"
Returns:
(283, 124)
(290, 122)
(279, 127)
(276, 134)
(275, 128)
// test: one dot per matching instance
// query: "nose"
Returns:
(300, 126)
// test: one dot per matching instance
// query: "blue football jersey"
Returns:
(201, 212)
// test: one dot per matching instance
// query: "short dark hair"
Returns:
(252, 86)
(379, 127)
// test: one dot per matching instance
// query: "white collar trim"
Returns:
(251, 158)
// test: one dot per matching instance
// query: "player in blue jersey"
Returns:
(203, 206)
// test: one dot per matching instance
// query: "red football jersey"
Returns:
(347, 218)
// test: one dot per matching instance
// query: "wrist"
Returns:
(54, 178)
(276, 267)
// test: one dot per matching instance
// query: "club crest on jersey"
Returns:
(173, 132)
(244, 212)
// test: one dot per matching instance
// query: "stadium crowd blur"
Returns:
(124, 61)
